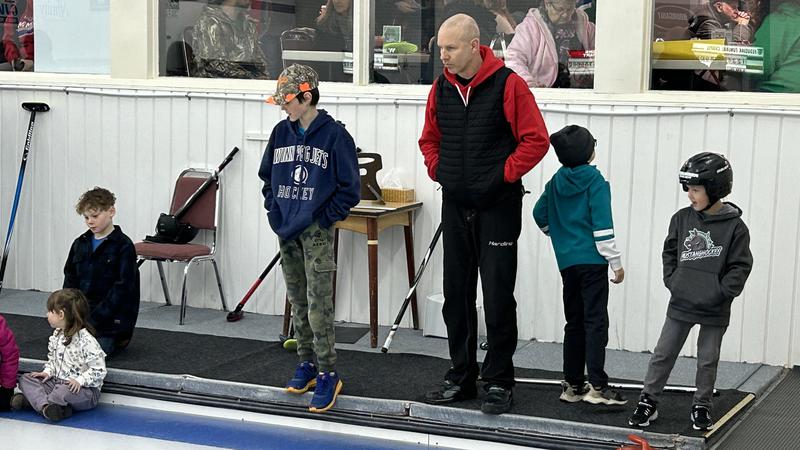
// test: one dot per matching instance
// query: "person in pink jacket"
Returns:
(9, 364)
(539, 51)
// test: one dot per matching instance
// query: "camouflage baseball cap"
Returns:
(294, 80)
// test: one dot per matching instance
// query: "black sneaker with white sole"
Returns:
(645, 413)
(701, 418)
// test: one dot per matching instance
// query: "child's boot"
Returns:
(701, 418)
(19, 402)
(305, 378)
(56, 412)
(328, 387)
(645, 413)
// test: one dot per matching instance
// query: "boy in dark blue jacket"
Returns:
(311, 180)
(575, 211)
(102, 264)
(706, 260)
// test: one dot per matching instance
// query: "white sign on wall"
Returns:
(71, 36)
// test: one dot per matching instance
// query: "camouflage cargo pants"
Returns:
(308, 268)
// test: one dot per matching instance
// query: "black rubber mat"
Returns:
(365, 374)
(774, 423)
(350, 335)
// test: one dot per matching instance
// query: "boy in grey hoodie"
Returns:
(706, 260)
(575, 211)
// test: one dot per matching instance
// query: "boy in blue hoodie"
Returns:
(311, 180)
(706, 261)
(575, 211)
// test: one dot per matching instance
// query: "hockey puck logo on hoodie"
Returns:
(300, 174)
(699, 245)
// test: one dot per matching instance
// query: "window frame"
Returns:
(622, 66)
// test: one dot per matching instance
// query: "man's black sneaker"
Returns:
(57, 412)
(603, 395)
(701, 418)
(497, 401)
(449, 392)
(645, 413)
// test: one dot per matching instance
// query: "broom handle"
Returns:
(214, 176)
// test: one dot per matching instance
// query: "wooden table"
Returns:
(370, 219)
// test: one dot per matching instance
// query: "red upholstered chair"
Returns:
(203, 215)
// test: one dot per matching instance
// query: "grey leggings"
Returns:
(40, 393)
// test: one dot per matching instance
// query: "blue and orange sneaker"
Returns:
(328, 387)
(305, 378)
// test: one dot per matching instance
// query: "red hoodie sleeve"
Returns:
(528, 127)
(431, 138)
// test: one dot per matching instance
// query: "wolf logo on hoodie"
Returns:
(699, 245)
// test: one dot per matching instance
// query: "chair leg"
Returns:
(163, 282)
(183, 293)
(219, 285)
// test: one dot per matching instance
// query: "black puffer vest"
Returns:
(476, 141)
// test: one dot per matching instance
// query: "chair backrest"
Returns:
(368, 166)
(203, 213)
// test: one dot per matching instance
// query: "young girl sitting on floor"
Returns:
(75, 367)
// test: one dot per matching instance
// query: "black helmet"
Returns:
(709, 170)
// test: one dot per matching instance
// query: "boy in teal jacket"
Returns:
(575, 211)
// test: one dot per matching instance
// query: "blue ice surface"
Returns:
(210, 431)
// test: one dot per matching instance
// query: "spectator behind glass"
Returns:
(505, 21)
(779, 35)
(405, 13)
(336, 18)
(225, 42)
(718, 20)
(17, 20)
(477, 9)
(721, 19)
(539, 51)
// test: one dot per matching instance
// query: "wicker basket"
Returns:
(398, 195)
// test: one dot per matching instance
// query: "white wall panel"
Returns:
(135, 145)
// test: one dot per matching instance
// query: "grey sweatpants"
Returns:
(40, 393)
(669, 345)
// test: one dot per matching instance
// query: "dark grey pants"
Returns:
(672, 338)
(40, 393)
